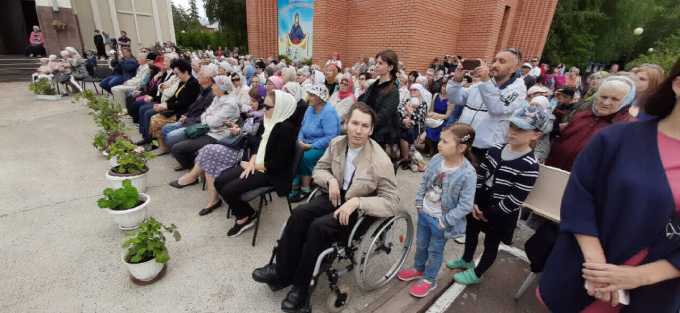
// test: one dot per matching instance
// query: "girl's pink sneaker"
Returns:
(409, 274)
(421, 288)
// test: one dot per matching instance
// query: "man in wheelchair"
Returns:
(356, 175)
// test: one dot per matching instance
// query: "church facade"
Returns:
(418, 30)
(72, 22)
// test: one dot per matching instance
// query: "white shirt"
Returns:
(535, 71)
(349, 166)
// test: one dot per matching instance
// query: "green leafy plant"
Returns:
(148, 242)
(102, 140)
(130, 158)
(42, 87)
(123, 198)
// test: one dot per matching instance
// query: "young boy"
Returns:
(505, 177)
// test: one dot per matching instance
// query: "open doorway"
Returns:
(18, 18)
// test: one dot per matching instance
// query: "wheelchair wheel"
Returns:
(383, 250)
(337, 301)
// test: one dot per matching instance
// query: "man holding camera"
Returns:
(489, 104)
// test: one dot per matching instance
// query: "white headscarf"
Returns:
(294, 89)
(425, 95)
(284, 108)
(318, 78)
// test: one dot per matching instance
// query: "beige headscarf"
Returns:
(284, 107)
(294, 89)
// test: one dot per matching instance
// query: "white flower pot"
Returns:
(48, 97)
(145, 271)
(130, 219)
(114, 161)
(139, 181)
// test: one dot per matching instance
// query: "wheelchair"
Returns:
(375, 250)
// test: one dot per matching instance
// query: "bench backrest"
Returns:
(546, 198)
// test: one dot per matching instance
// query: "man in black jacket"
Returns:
(178, 104)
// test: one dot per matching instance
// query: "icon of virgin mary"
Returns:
(296, 35)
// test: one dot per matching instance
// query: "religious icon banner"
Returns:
(295, 28)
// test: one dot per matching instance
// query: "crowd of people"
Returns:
(478, 135)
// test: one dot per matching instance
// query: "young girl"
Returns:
(444, 198)
(506, 176)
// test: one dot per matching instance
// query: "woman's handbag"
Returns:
(196, 130)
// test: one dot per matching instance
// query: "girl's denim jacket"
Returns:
(458, 195)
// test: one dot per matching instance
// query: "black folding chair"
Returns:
(263, 192)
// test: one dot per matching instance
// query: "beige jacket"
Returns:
(374, 182)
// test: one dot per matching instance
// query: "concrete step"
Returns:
(20, 68)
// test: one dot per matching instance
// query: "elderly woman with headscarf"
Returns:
(269, 164)
(241, 91)
(295, 90)
(222, 113)
(215, 158)
(594, 81)
(320, 125)
(65, 75)
(610, 106)
(304, 77)
(273, 83)
(412, 113)
(542, 149)
(344, 98)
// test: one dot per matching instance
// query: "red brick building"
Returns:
(418, 30)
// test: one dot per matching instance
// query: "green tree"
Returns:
(602, 30)
(193, 10)
(183, 20)
(666, 52)
(231, 15)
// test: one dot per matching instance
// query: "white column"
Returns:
(114, 18)
(94, 5)
(170, 22)
(156, 21)
(134, 18)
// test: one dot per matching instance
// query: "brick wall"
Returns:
(417, 30)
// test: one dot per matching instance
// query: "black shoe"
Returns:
(299, 196)
(267, 275)
(238, 229)
(179, 168)
(295, 301)
(142, 142)
(150, 147)
(177, 185)
(211, 208)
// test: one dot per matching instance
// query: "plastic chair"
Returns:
(545, 200)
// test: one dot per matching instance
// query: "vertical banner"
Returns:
(295, 28)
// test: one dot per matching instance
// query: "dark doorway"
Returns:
(18, 18)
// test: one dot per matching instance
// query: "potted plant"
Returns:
(130, 163)
(145, 252)
(125, 204)
(44, 90)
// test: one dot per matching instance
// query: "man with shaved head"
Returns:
(489, 104)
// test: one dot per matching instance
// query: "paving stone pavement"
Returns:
(60, 253)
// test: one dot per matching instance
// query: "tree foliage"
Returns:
(601, 31)
(665, 53)
(231, 15)
(184, 21)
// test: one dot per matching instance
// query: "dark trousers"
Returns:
(230, 186)
(310, 230)
(491, 243)
(144, 117)
(132, 107)
(186, 151)
(101, 52)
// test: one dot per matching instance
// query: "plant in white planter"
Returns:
(126, 205)
(146, 254)
(43, 89)
(130, 164)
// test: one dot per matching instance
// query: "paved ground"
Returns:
(60, 253)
